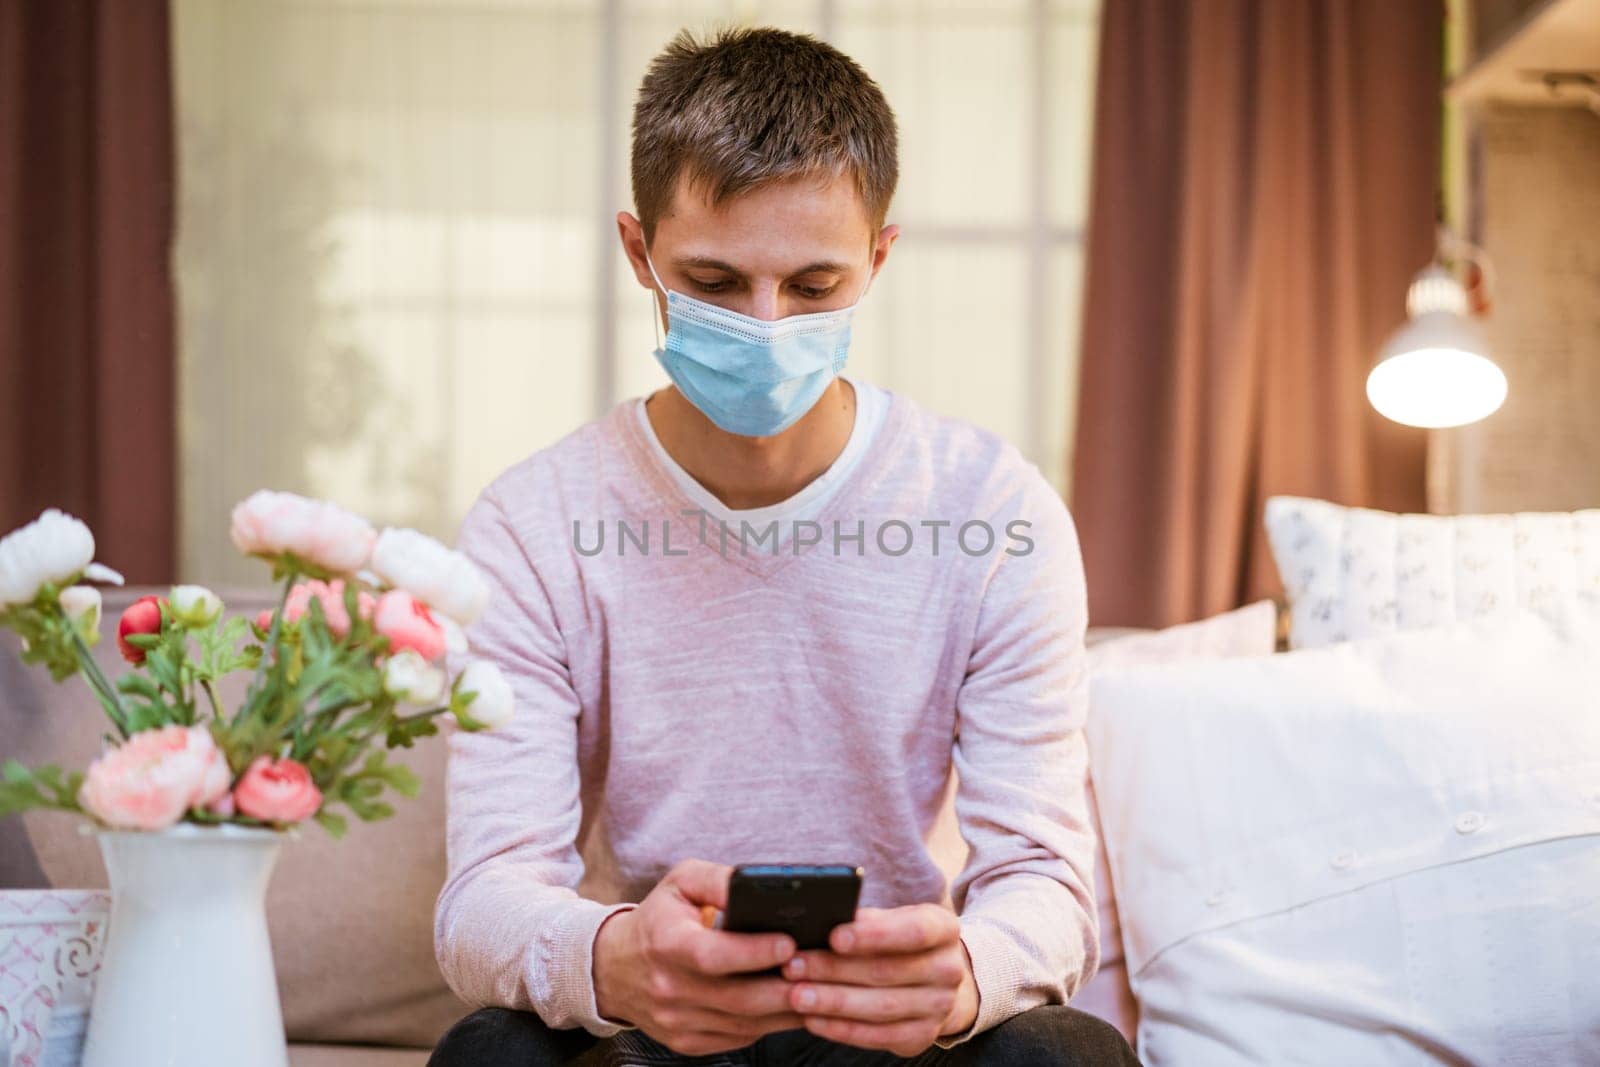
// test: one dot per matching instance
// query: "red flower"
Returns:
(407, 623)
(277, 791)
(143, 616)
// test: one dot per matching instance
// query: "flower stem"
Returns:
(430, 713)
(211, 694)
(383, 727)
(270, 649)
(97, 680)
(359, 741)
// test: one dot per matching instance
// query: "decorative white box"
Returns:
(50, 946)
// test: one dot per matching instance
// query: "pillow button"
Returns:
(1469, 822)
(1216, 899)
(1343, 861)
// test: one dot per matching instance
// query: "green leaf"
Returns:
(373, 811)
(136, 684)
(359, 788)
(403, 733)
(377, 766)
(220, 651)
(48, 636)
(402, 779)
(71, 788)
(287, 563)
(23, 790)
(336, 825)
(145, 715)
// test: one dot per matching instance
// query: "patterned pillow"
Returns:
(1351, 572)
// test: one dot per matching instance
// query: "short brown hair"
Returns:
(756, 105)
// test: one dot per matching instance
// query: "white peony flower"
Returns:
(52, 548)
(492, 707)
(99, 572)
(440, 577)
(269, 523)
(409, 677)
(194, 606)
(82, 605)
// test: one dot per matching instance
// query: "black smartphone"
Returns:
(805, 901)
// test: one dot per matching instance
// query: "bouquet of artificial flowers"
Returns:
(352, 656)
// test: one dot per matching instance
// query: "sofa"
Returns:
(1379, 847)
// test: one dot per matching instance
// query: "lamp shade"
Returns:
(1435, 370)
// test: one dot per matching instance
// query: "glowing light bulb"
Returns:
(1435, 370)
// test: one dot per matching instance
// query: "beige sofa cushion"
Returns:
(351, 920)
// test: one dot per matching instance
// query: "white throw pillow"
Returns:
(1351, 573)
(1382, 852)
(1247, 631)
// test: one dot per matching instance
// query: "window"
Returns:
(398, 268)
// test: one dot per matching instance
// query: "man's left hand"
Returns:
(892, 979)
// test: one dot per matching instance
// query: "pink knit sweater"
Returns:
(699, 699)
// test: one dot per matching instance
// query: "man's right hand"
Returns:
(691, 988)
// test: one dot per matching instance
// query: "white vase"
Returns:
(187, 978)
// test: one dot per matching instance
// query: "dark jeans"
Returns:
(1051, 1036)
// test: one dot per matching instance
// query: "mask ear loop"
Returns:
(871, 275)
(655, 308)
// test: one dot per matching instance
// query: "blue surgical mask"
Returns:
(749, 376)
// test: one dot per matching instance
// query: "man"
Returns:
(760, 616)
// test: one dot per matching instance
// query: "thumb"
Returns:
(701, 882)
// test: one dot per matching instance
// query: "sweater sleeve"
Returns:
(509, 927)
(1025, 896)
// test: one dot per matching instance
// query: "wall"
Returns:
(1538, 209)
(1535, 208)
(397, 260)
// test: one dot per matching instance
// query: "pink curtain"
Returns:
(1263, 191)
(86, 309)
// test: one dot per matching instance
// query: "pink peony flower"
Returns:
(407, 623)
(151, 779)
(331, 596)
(143, 616)
(277, 791)
(269, 524)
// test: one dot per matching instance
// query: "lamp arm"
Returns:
(1453, 249)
